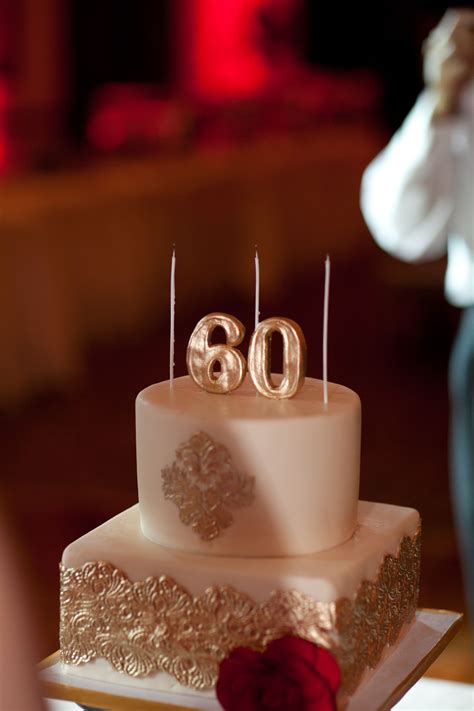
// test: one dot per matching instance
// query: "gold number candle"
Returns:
(202, 355)
(294, 358)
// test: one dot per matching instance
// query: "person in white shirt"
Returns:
(417, 198)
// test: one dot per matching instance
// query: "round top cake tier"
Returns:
(242, 475)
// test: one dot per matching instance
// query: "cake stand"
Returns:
(400, 668)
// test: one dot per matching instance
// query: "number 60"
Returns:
(202, 356)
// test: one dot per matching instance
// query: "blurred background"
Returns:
(130, 125)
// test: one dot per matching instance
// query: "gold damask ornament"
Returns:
(154, 625)
(205, 486)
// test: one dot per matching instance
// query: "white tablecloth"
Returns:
(426, 695)
(438, 695)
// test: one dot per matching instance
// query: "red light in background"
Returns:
(224, 61)
(107, 129)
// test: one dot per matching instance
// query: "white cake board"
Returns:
(398, 671)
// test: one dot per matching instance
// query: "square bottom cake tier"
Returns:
(137, 613)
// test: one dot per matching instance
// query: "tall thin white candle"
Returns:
(327, 274)
(257, 288)
(172, 313)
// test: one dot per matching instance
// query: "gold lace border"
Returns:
(154, 625)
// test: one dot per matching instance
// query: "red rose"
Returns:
(291, 674)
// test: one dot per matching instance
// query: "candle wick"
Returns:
(327, 275)
(172, 311)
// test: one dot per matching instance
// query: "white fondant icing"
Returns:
(304, 456)
(102, 670)
(326, 576)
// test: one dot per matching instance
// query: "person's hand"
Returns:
(449, 59)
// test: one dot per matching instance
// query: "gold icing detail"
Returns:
(378, 613)
(205, 486)
(156, 625)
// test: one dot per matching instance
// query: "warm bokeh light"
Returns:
(224, 60)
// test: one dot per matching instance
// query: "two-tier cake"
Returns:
(248, 528)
